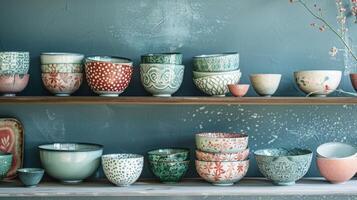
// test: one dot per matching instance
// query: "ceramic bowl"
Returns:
(161, 80)
(70, 162)
(108, 76)
(172, 154)
(353, 78)
(318, 82)
(30, 177)
(122, 169)
(62, 84)
(162, 58)
(222, 173)
(221, 142)
(61, 58)
(283, 166)
(238, 90)
(10, 84)
(337, 170)
(217, 85)
(14, 62)
(336, 150)
(6, 162)
(206, 74)
(62, 68)
(206, 156)
(216, 62)
(169, 172)
(265, 84)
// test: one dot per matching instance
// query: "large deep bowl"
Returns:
(5, 164)
(108, 76)
(337, 170)
(318, 82)
(61, 58)
(171, 154)
(238, 156)
(265, 84)
(336, 150)
(216, 62)
(222, 173)
(221, 142)
(162, 58)
(205, 74)
(70, 162)
(14, 62)
(62, 84)
(122, 169)
(10, 84)
(161, 80)
(283, 166)
(169, 172)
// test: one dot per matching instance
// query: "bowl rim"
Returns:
(217, 55)
(114, 155)
(247, 160)
(307, 152)
(57, 73)
(177, 161)
(209, 135)
(217, 73)
(17, 52)
(268, 74)
(336, 158)
(32, 170)
(97, 58)
(160, 65)
(67, 54)
(239, 152)
(317, 70)
(162, 54)
(43, 148)
(178, 149)
(5, 154)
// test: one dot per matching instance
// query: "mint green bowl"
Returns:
(5, 164)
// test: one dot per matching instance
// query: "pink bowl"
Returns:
(337, 170)
(353, 78)
(62, 84)
(13, 83)
(205, 156)
(238, 90)
(221, 142)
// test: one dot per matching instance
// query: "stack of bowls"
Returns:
(212, 73)
(14, 67)
(162, 73)
(337, 162)
(169, 165)
(62, 73)
(222, 158)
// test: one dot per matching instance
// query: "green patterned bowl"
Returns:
(172, 154)
(5, 164)
(162, 58)
(206, 74)
(283, 166)
(14, 62)
(216, 62)
(169, 172)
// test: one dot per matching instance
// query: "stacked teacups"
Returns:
(212, 73)
(14, 67)
(222, 158)
(62, 73)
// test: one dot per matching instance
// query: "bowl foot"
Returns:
(268, 95)
(162, 95)
(72, 182)
(62, 95)
(222, 184)
(318, 95)
(30, 186)
(123, 185)
(284, 183)
(221, 95)
(337, 182)
(9, 95)
(109, 95)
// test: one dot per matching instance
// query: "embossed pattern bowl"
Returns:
(265, 84)
(216, 62)
(10, 84)
(62, 84)
(172, 154)
(14, 62)
(221, 142)
(169, 171)
(238, 156)
(5, 164)
(162, 58)
(207, 74)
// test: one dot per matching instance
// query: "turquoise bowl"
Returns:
(216, 62)
(162, 58)
(14, 62)
(171, 154)
(169, 172)
(30, 177)
(5, 164)
(283, 166)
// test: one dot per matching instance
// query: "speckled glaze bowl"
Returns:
(14, 62)
(122, 169)
(62, 84)
(206, 74)
(5, 164)
(238, 156)
(169, 172)
(70, 162)
(162, 58)
(238, 90)
(216, 62)
(171, 154)
(318, 82)
(336, 150)
(265, 84)
(283, 166)
(222, 173)
(337, 170)
(61, 58)
(10, 84)
(30, 177)
(221, 142)
(108, 76)
(62, 68)
(161, 80)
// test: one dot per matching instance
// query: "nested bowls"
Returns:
(237, 156)
(162, 58)
(61, 58)
(6, 162)
(10, 84)
(122, 169)
(216, 62)
(62, 84)
(221, 142)
(265, 84)
(14, 62)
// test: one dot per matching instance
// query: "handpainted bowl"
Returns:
(353, 78)
(122, 169)
(62, 68)
(62, 84)
(70, 162)
(10, 84)
(336, 150)
(206, 74)
(337, 170)
(206, 156)
(216, 62)
(217, 85)
(169, 172)
(6, 162)
(161, 80)
(265, 84)
(238, 90)
(222, 173)
(108, 76)
(162, 58)
(14, 62)
(283, 166)
(172, 154)
(61, 58)
(30, 177)
(221, 142)
(318, 83)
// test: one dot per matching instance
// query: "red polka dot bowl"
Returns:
(62, 84)
(108, 76)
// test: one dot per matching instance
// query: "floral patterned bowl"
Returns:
(173, 154)
(10, 84)
(216, 62)
(14, 62)
(283, 166)
(108, 76)
(162, 58)
(222, 173)
(318, 83)
(122, 169)
(206, 156)
(61, 58)
(62, 84)
(62, 68)
(221, 142)
(169, 172)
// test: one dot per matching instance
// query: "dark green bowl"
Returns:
(169, 154)
(162, 58)
(30, 177)
(169, 172)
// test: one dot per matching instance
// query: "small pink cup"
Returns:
(238, 90)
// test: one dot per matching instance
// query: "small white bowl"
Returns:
(336, 150)
(265, 84)
(61, 58)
